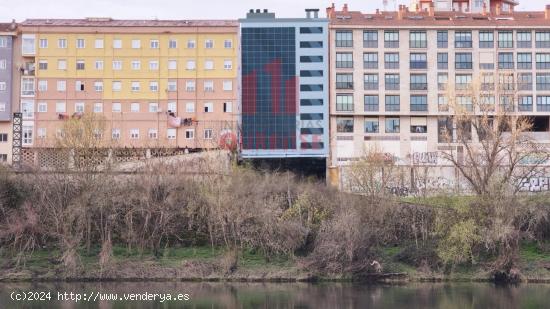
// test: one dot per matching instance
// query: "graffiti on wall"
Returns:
(535, 184)
(421, 158)
(534, 159)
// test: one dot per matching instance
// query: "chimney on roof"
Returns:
(484, 10)
(377, 11)
(401, 11)
(431, 9)
(547, 12)
(497, 9)
(330, 10)
(345, 8)
(417, 8)
(13, 25)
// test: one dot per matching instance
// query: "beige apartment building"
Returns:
(159, 86)
(390, 73)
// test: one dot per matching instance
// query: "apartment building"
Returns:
(284, 94)
(390, 72)
(157, 84)
(8, 35)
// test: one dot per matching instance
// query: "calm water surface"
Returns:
(284, 295)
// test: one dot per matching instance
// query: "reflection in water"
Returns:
(293, 295)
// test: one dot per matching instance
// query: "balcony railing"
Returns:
(392, 107)
(525, 107)
(543, 107)
(419, 107)
(344, 85)
(371, 107)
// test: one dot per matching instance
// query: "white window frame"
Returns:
(136, 65)
(99, 43)
(79, 107)
(116, 107)
(99, 65)
(172, 107)
(153, 133)
(154, 44)
(62, 64)
(171, 133)
(228, 85)
(136, 44)
(153, 107)
(42, 107)
(208, 43)
(60, 107)
(98, 86)
(191, 65)
(172, 43)
(228, 64)
(117, 65)
(190, 134)
(62, 43)
(116, 86)
(43, 43)
(134, 133)
(190, 86)
(62, 85)
(135, 86)
(190, 107)
(208, 107)
(115, 134)
(153, 65)
(42, 85)
(135, 107)
(80, 43)
(117, 43)
(153, 86)
(98, 107)
(208, 134)
(172, 64)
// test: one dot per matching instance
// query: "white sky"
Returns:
(186, 9)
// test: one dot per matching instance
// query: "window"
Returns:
(42, 107)
(344, 125)
(60, 107)
(543, 61)
(61, 85)
(208, 86)
(505, 39)
(152, 133)
(463, 81)
(391, 60)
(171, 133)
(391, 39)
(61, 64)
(442, 39)
(172, 107)
(79, 107)
(525, 61)
(190, 134)
(524, 39)
(419, 82)
(227, 107)
(392, 81)
(191, 44)
(227, 44)
(543, 103)
(117, 43)
(115, 134)
(116, 107)
(153, 65)
(190, 107)
(99, 65)
(543, 81)
(311, 44)
(98, 43)
(172, 85)
(227, 65)
(98, 107)
(153, 86)
(344, 81)
(98, 86)
(208, 134)
(418, 39)
(344, 38)
(190, 86)
(208, 44)
(419, 125)
(392, 125)
(465, 102)
(525, 103)
(344, 102)
(442, 103)
(61, 43)
(134, 134)
(370, 81)
(344, 60)
(371, 125)
(80, 64)
(209, 107)
(442, 81)
(190, 65)
(486, 39)
(370, 60)
(136, 44)
(418, 61)
(487, 81)
(308, 30)
(28, 44)
(172, 64)
(136, 65)
(505, 60)
(154, 44)
(80, 43)
(173, 43)
(42, 85)
(463, 61)
(542, 39)
(4, 87)
(27, 135)
(371, 103)
(42, 64)
(507, 103)
(153, 107)
(134, 107)
(117, 65)
(27, 86)
(393, 103)
(227, 85)
(41, 133)
(463, 39)
(209, 65)
(117, 86)
(444, 129)
(525, 81)
(442, 61)
(43, 43)
(506, 81)
(136, 86)
(370, 39)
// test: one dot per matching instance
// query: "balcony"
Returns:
(344, 85)
(28, 69)
(371, 107)
(525, 107)
(392, 107)
(419, 107)
(507, 108)
(419, 86)
(543, 107)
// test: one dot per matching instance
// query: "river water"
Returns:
(272, 295)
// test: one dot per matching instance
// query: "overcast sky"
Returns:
(185, 9)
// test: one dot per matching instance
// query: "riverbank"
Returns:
(207, 264)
